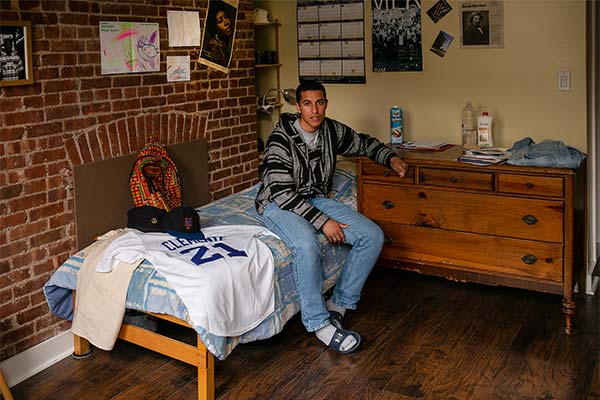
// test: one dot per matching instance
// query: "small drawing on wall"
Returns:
(178, 68)
(16, 67)
(127, 47)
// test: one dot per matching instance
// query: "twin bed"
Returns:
(148, 291)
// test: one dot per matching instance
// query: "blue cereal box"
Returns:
(396, 125)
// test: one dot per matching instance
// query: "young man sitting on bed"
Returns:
(299, 163)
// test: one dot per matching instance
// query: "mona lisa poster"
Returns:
(219, 34)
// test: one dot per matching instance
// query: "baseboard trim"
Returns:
(24, 365)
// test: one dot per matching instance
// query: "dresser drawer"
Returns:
(456, 178)
(376, 172)
(531, 185)
(483, 253)
(534, 219)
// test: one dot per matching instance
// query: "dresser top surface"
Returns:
(448, 158)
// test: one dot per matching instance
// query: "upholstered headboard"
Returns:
(102, 195)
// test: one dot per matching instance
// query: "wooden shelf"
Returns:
(267, 65)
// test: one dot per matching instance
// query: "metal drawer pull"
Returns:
(529, 259)
(529, 185)
(388, 240)
(386, 173)
(530, 219)
(422, 195)
(549, 260)
(388, 204)
(422, 178)
(453, 179)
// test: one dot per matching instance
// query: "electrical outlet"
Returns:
(564, 81)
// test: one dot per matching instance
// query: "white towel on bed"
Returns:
(225, 280)
(100, 298)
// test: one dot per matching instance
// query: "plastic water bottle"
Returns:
(469, 125)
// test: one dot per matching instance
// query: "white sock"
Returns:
(326, 333)
(331, 306)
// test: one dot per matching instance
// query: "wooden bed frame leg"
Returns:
(4, 389)
(206, 375)
(81, 347)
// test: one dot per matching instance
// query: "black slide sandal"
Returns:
(338, 338)
(336, 319)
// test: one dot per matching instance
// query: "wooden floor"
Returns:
(423, 338)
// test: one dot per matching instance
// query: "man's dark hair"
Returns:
(309, 85)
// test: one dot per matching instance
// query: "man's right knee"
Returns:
(308, 248)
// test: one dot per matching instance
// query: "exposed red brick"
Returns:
(46, 156)
(62, 112)
(25, 117)
(72, 151)
(46, 211)
(34, 186)
(84, 149)
(14, 307)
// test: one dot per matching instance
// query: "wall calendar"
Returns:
(331, 45)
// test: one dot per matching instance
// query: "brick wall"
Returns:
(72, 115)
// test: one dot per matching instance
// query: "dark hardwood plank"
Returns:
(430, 360)
(480, 354)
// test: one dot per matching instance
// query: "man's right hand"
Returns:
(333, 231)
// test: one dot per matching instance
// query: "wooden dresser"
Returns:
(502, 225)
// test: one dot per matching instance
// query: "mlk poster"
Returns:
(127, 47)
(397, 35)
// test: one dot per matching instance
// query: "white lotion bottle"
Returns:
(484, 130)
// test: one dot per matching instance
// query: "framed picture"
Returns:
(16, 66)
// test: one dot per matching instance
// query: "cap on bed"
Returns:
(146, 218)
(184, 222)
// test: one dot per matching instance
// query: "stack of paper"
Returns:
(485, 157)
(423, 145)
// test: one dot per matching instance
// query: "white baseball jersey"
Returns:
(225, 280)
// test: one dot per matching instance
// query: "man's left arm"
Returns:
(352, 144)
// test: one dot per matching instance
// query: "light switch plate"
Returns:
(564, 81)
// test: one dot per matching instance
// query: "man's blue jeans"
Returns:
(363, 234)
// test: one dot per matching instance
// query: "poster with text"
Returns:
(482, 24)
(127, 47)
(397, 35)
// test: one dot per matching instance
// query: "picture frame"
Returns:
(16, 65)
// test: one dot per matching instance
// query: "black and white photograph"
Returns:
(397, 36)
(15, 53)
(476, 28)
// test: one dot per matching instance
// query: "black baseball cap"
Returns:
(146, 218)
(183, 222)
